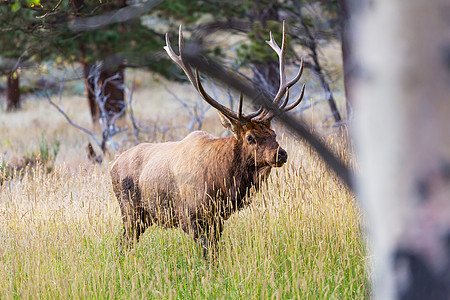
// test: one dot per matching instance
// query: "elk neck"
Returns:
(234, 171)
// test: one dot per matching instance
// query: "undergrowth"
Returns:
(300, 238)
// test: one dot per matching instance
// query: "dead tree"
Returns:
(107, 119)
(100, 88)
(13, 91)
(111, 82)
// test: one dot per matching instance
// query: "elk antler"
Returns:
(284, 85)
(196, 83)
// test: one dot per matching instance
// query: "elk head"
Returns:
(253, 131)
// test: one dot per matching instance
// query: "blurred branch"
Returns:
(117, 16)
(242, 26)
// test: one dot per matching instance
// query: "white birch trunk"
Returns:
(402, 133)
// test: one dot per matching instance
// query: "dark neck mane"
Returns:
(236, 174)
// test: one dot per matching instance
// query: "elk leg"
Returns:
(130, 232)
(214, 233)
(135, 218)
(196, 230)
(202, 240)
(207, 236)
(135, 222)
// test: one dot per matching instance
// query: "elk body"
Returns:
(198, 182)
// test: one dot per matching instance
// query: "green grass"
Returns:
(300, 238)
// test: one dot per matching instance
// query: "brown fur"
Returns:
(195, 183)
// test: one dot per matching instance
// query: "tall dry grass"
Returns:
(301, 237)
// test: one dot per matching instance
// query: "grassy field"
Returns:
(302, 237)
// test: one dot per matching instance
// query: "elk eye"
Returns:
(250, 139)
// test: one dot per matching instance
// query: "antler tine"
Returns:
(284, 86)
(255, 113)
(180, 40)
(293, 105)
(241, 97)
(271, 42)
(223, 109)
(250, 115)
(178, 58)
(195, 80)
(170, 51)
(289, 85)
(281, 52)
(286, 100)
(298, 76)
(270, 115)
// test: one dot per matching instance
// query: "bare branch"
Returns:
(196, 111)
(68, 119)
(50, 11)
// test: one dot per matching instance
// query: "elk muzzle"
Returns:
(280, 157)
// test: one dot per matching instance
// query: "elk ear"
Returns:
(230, 124)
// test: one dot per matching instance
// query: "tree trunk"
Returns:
(93, 107)
(344, 24)
(328, 94)
(348, 9)
(402, 126)
(13, 92)
(113, 90)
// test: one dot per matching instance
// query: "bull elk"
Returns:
(198, 182)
